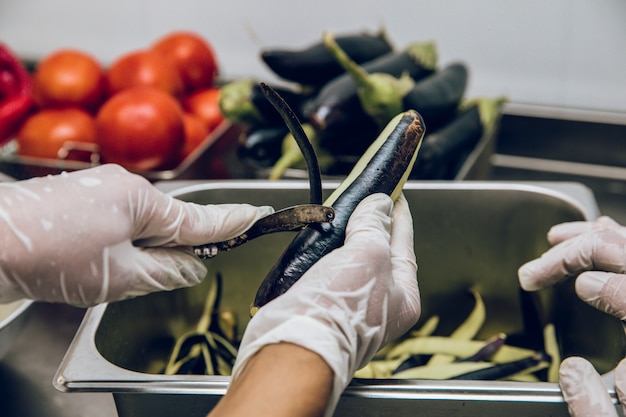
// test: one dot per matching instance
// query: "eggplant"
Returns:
(505, 370)
(337, 104)
(445, 149)
(380, 94)
(384, 167)
(491, 346)
(437, 97)
(315, 66)
(411, 362)
(262, 146)
(244, 103)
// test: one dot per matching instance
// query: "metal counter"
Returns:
(26, 372)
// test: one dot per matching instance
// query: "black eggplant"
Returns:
(261, 146)
(313, 65)
(337, 104)
(446, 148)
(383, 168)
(336, 112)
(380, 94)
(438, 96)
(504, 370)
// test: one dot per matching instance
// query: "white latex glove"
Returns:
(104, 234)
(585, 392)
(595, 251)
(352, 301)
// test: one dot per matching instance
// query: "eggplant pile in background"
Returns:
(344, 90)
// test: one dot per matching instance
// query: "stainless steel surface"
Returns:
(27, 370)
(559, 144)
(13, 317)
(466, 233)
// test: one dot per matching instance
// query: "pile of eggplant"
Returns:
(344, 90)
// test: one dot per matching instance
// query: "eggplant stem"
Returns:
(381, 95)
(360, 76)
(308, 152)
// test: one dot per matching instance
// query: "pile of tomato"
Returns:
(147, 110)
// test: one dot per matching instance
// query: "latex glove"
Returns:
(584, 391)
(595, 250)
(352, 301)
(104, 234)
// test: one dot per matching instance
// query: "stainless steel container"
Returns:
(466, 233)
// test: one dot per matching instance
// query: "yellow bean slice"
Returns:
(466, 330)
(455, 348)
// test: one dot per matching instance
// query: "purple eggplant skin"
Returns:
(351, 139)
(437, 97)
(504, 370)
(382, 174)
(412, 361)
(262, 145)
(315, 66)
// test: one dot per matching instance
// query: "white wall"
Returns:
(548, 52)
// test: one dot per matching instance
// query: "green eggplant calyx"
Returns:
(489, 109)
(382, 97)
(291, 153)
(235, 102)
(358, 73)
(380, 94)
(424, 53)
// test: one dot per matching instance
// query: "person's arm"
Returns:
(104, 234)
(595, 254)
(302, 348)
(281, 380)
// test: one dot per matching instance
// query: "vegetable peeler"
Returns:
(292, 218)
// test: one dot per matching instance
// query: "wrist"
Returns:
(281, 379)
(330, 343)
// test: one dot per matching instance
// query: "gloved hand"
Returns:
(104, 234)
(584, 391)
(352, 301)
(595, 251)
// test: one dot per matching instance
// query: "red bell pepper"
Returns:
(16, 93)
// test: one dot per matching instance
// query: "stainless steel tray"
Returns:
(466, 233)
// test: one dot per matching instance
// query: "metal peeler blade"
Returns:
(288, 219)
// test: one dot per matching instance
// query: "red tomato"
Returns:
(141, 129)
(144, 68)
(204, 103)
(195, 133)
(68, 133)
(192, 55)
(69, 78)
